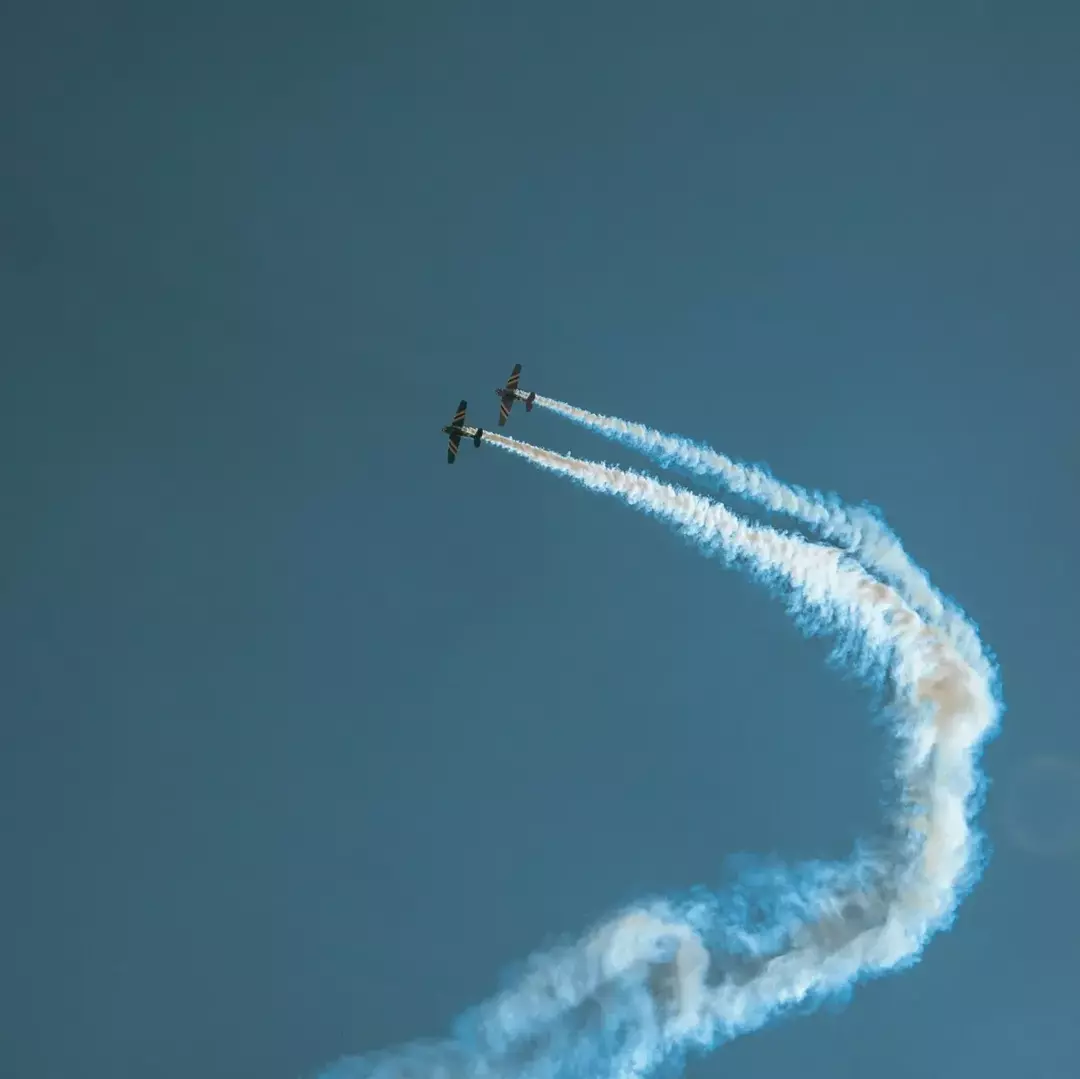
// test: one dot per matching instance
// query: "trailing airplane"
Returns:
(510, 393)
(455, 429)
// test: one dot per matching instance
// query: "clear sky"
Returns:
(307, 737)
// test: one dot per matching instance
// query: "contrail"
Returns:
(858, 528)
(666, 977)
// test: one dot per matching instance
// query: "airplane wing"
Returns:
(455, 436)
(451, 450)
(506, 400)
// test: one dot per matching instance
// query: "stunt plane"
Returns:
(509, 393)
(455, 429)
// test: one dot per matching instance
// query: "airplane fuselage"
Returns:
(461, 429)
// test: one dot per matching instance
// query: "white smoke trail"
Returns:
(663, 978)
(857, 528)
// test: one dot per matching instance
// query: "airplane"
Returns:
(456, 428)
(510, 393)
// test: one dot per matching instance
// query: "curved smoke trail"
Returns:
(663, 978)
(857, 528)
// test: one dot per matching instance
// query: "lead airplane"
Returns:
(510, 393)
(456, 428)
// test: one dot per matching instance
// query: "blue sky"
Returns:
(307, 736)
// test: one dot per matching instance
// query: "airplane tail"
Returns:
(479, 435)
(529, 401)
